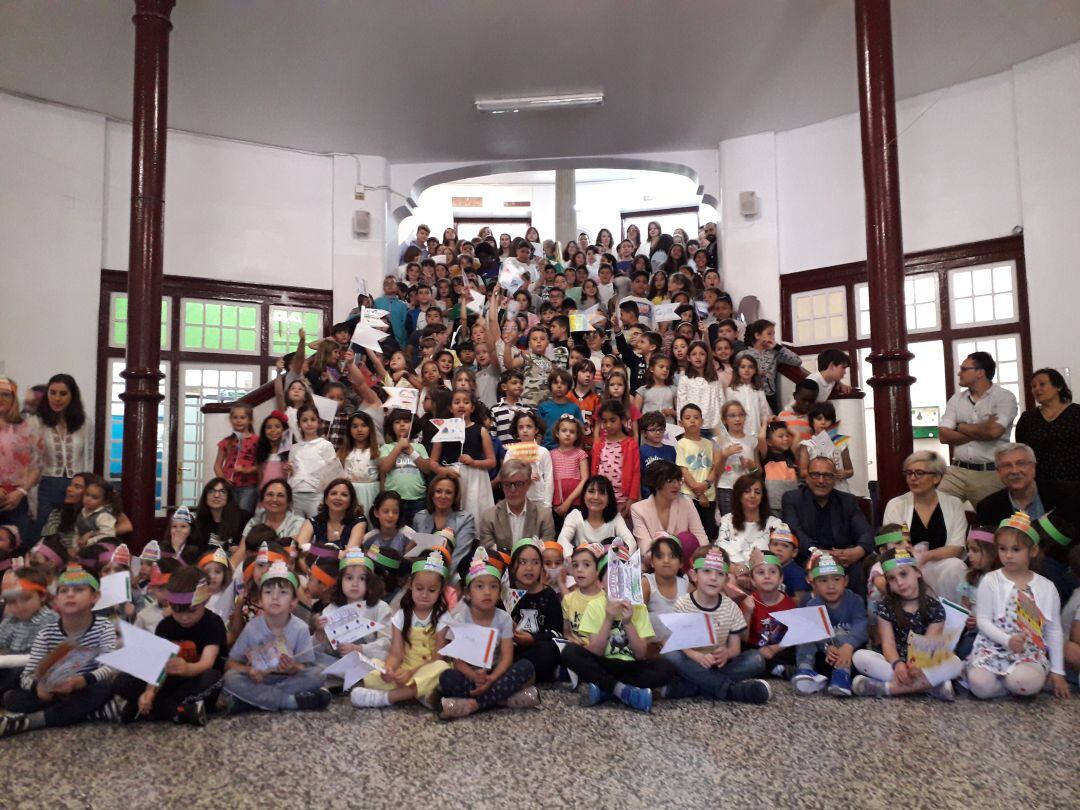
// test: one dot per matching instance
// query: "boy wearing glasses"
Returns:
(653, 449)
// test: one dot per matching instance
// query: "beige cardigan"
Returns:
(682, 517)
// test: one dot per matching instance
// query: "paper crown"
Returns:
(355, 556)
(782, 534)
(279, 570)
(43, 550)
(392, 563)
(218, 556)
(17, 585)
(13, 530)
(826, 565)
(712, 560)
(1021, 522)
(74, 576)
(433, 563)
(1045, 525)
(151, 552)
(480, 566)
(262, 556)
(319, 572)
(121, 556)
(182, 515)
(551, 545)
(598, 552)
(981, 535)
(194, 598)
(759, 557)
(448, 535)
(902, 559)
(158, 578)
(526, 542)
(324, 551)
(885, 538)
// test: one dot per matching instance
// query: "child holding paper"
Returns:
(412, 670)
(192, 676)
(307, 457)
(466, 688)
(469, 461)
(272, 665)
(907, 606)
(235, 460)
(536, 613)
(1018, 613)
(26, 612)
(766, 632)
(609, 650)
(720, 672)
(824, 442)
(848, 617)
(358, 586)
(156, 601)
(784, 545)
(54, 691)
(403, 463)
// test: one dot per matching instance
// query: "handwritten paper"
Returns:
(624, 575)
(472, 644)
(352, 668)
(510, 279)
(512, 597)
(405, 398)
(688, 631)
(143, 654)
(374, 318)
(64, 663)
(326, 407)
(579, 322)
(346, 625)
(1029, 619)
(449, 430)
(805, 625)
(115, 590)
(665, 312)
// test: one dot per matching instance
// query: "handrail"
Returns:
(256, 396)
(797, 373)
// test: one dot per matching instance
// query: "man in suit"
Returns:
(830, 521)
(516, 516)
(1016, 469)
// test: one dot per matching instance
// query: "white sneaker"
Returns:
(364, 698)
(867, 687)
(808, 682)
(943, 691)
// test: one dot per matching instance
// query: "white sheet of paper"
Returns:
(361, 285)
(14, 661)
(351, 668)
(821, 446)
(688, 631)
(450, 430)
(702, 308)
(424, 542)
(579, 322)
(510, 280)
(368, 337)
(472, 644)
(115, 590)
(405, 398)
(955, 621)
(672, 433)
(326, 407)
(665, 312)
(804, 625)
(476, 302)
(347, 624)
(374, 318)
(143, 655)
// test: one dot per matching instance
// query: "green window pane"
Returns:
(248, 317)
(228, 315)
(164, 335)
(120, 334)
(193, 337)
(247, 342)
(311, 323)
(228, 339)
(193, 313)
(212, 337)
(121, 307)
(213, 315)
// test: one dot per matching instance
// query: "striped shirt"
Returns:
(100, 636)
(503, 414)
(17, 635)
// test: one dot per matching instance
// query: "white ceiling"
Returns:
(398, 78)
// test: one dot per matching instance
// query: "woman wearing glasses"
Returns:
(935, 519)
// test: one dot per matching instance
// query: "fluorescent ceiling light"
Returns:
(497, 106)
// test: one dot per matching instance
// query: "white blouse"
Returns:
(709, 396)
(737, 544)
(577, 531)
(66, 454)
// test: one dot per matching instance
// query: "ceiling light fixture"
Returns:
(498, 106)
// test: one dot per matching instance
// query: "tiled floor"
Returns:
(807, 752)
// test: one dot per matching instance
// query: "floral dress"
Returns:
(999, 660)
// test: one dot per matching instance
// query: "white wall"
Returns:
(358, 257)
(51, 169)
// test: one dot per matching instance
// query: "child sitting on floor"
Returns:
(26, 613)
(535, 609)
(766, 598)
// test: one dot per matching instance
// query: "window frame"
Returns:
(940, 262)
(176, 288)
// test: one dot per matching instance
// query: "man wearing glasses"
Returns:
(831, 521)
(976, 422)
(516, 516)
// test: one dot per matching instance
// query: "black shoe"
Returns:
(751, 691)
(15, 724)
(313, 701)
(191, 713)
(235, 706)
(129, 710)
(111, 711)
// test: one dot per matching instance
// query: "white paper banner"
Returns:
(115, 590)
(688, 631)
(805, 625)
(450, 430)
(472, 644)
(142, 655)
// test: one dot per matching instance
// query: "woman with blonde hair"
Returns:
(21, 450)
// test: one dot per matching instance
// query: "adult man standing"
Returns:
(976, 422)
(391, 302)
(422, 233)
(830, 521)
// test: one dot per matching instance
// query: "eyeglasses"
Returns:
(917, 474)
(514, 484)
(969, 368)
(1010, 465)
(822, 476)
(218, 491)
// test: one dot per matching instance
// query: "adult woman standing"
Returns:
(1052, 428)
(67, 445)
(20, 459)
(666, 511)
(936, 521)
(219, 520)
(646, 246)
(444, 512)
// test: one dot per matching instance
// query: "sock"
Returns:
(289, 703)
(620, 689)
(662, 692)
(887, 688)
(384, 699)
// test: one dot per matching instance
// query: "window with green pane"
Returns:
(285, 325)
(118, 325)
(220, 326)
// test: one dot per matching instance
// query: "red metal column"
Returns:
(884, 245)
(142, 374)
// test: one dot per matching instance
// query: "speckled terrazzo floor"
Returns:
(861, 753)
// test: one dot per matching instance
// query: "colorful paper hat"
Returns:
(981, 535)
(527, 542)
(713, 560)
(391, 563)
(598, 552)
(884, 538)
(182, 515)
(76, 575)
(324, 551)
(448, 535)
(43, 550)
(783, 534)
(551, 545)
(826, 565)
(218, 556)
(1022, 523)
(151, 552)
(355, 556)
(279, 570)
(319, 572)
(194, 598)
(480, 566)
(18, 585)
(121, 556)
(13, 530)
(158, 578)
(1046, 525)
(432, 563)
(759, 557)
(902, 558)
(262, 556)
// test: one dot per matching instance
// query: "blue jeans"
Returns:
(272, 694)
(693, 679)
(247, 498)
(50, 496)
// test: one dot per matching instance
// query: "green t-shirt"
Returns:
(405, 479)
(618, 645)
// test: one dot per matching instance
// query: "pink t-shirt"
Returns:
(566, 471)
